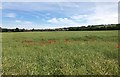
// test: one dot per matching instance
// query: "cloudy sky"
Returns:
(57, 14)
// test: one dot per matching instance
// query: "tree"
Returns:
(17, 30)
(32, 29)
(0, 29)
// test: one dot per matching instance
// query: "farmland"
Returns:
(60, 53)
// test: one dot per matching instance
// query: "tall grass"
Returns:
(72, 53)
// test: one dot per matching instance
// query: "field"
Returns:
(60, 53)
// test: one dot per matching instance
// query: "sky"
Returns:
(57, 14)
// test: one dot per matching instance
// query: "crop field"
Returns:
(60, 53)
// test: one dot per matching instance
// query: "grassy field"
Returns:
(58, 53)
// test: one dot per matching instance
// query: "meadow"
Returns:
(60, 53)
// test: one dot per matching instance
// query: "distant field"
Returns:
(58, 53)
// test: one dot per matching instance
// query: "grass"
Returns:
(60, 53)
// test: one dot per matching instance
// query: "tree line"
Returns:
(82, 28)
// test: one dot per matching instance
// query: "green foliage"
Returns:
(82, 28)
(60, 53)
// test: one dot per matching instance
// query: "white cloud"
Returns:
(102, 19)
(10, 15)
(23, 22)
(0, 5)
(63, 22)
(24, 6)
(101, 14)
(53, 20)
(18, 21)
(104, 14)
(77, 17)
